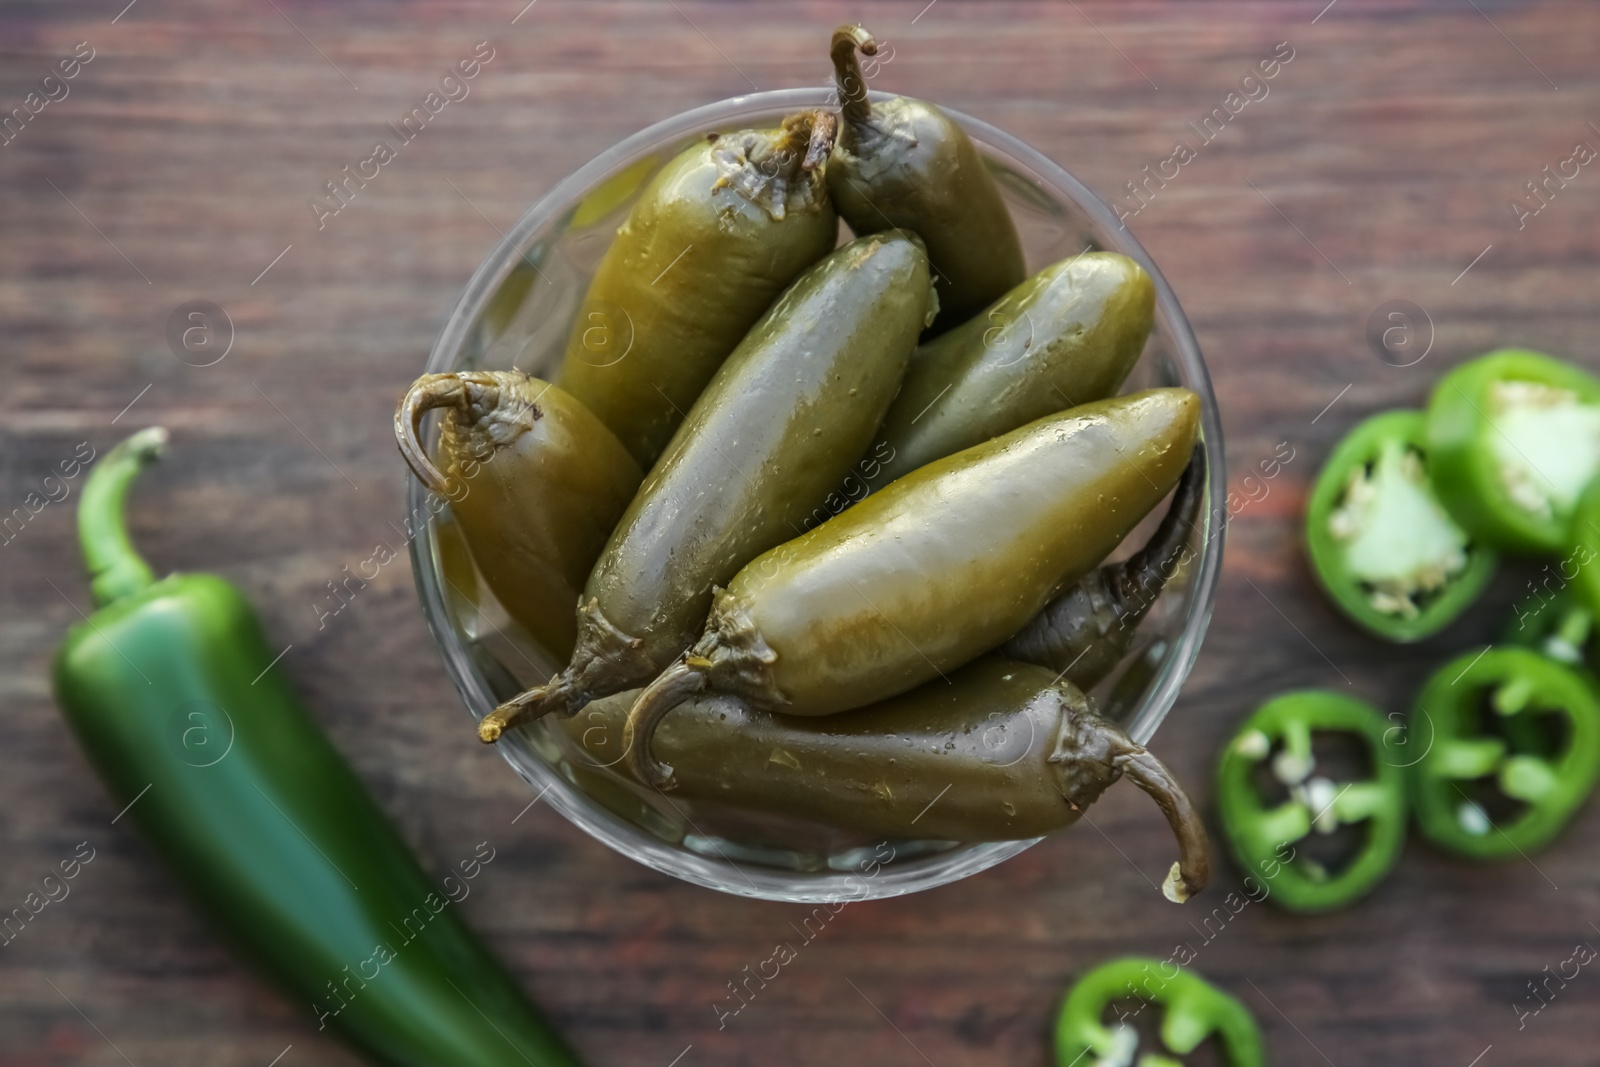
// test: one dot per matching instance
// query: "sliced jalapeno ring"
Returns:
(1275, 837)
(1382, 545)
(1558, 627)
(1192, 1011)
(1513, 440)
(1514, 750)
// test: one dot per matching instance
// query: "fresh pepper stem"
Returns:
(1193, 869)
(672, 687)
(428, 392)
(847, 71)
(116, 570)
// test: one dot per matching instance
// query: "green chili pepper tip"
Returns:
(116, 569)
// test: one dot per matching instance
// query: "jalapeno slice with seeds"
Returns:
(1192, 1011)
(1274, 832)
(1381, 543)
(1514, 750)
(1513, 440)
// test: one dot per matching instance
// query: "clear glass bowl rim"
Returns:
(769, 883)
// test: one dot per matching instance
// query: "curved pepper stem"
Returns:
(847, 71)
(426, 393)
(1193, 870)
(672, 687)
(116, 570)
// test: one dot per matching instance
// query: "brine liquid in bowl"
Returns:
(518, 310)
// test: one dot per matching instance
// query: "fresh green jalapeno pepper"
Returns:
(1273, 835)
(1381, 545)
(1193, 1010)
(1066, 336)
(1556, 626)
(536, 482)
(1583, 549)
(1003, 752)
(934, 569)
(1513, 440)
(904, 163)
(784, 418)
(1513, 749)
(1085, 632)
(174, 693)
(711, 242)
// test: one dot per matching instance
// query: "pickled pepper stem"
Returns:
(847, 71)
(1193, 869)
(527, 706)
(116, 570)
(824, 129)
(672, 687)
(426, 393)
(1137, 581)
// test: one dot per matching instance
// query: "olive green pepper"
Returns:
(536, 482)
(1068, 335)
(934, 569)
(1085, 632)
(710, 243)
(1004, 752)
(904, 163)
(781, 422)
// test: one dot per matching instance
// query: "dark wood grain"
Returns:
(1392, 143)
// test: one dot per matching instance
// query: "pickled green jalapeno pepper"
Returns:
(174, 694)
(904, 163)
(1068, 335)
(1381, 544)
(536, 483)
(1004, 752)
(1513, 440)
(710, 243)
(1515, 749)
(1192, 1011)
(934, 569)
(1085, 632)
(1280, 737)
(784, 418)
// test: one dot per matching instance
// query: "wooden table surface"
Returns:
(1379, 167)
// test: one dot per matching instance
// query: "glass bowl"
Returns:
(517, 310)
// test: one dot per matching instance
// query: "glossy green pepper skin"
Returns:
(1068, 335)
(1499, 779)
(1192, 1011)
(1269, 835)
(904, 163)
(536, 483)
(710, 243)
(1381, 544)
(172, 691)
(1003, 752)
(1513, 440)
(933, 570)
(1085, 632)
(784, 418)
(1583, 551)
